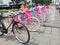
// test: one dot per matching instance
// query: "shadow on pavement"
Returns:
(31, 43)
(10, 37)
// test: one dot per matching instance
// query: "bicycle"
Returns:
(42, 14)
(19, 30)
(32, 23)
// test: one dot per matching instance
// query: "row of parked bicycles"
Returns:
(22, 24)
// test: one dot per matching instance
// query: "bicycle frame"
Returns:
(4, 27)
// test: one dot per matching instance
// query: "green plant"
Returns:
(43, 1)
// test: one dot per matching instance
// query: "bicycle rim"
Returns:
(21, 33)
(32, 24)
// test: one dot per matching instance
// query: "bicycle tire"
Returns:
(44, 17)
(35, 23)
(1, 29)
(19, 30)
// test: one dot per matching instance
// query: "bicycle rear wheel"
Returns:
(32, 23)
(21, 33)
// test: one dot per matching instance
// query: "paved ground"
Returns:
(45, 35)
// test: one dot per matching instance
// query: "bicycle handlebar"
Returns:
(11, 16)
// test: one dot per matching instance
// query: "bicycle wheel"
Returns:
(32, 23)
(45, 17)
(1, 29)
(21, 33)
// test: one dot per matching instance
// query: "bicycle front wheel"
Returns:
(32, 23)
(21, 33)
(1, 29)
